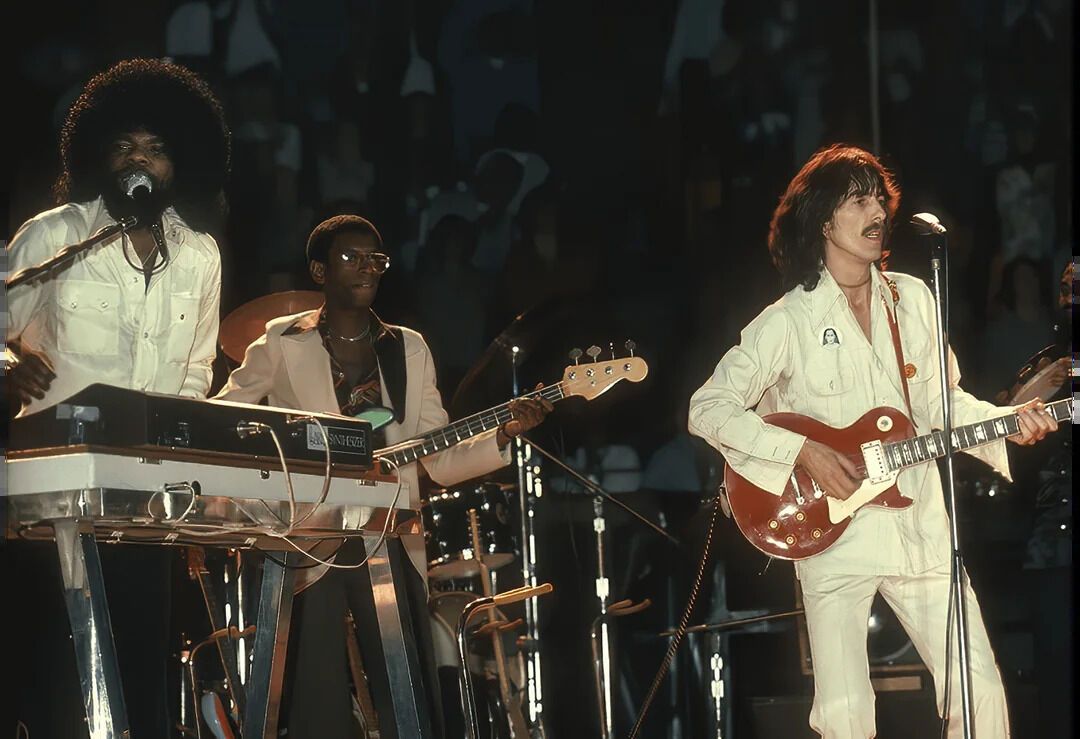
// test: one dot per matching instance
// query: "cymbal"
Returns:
(248, 322)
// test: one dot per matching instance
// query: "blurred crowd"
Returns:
(618, 158)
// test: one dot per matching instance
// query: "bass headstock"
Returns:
(592, 379)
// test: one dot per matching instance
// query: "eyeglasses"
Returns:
(375, 261)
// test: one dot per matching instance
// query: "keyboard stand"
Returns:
(91, 631)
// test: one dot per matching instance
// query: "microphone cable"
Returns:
(684, 622)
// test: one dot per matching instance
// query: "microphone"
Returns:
(138, 186)
(927, 223)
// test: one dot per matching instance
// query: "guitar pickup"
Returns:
(877, 464)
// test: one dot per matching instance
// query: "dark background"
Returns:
(667, 131)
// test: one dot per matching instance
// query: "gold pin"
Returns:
(774, 524)
(816, 533)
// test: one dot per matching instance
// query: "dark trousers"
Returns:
(316, 698)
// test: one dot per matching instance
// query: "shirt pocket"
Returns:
(181, 324)
(88, 318)
(830, 382)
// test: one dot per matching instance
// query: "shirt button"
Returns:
(74, 304)
(146, 335)
(104, 303)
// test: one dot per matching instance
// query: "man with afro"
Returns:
(141, 309)
(138, 310)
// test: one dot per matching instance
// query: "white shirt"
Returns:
(783, 363)
(97, 322)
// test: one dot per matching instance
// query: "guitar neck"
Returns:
(919, 449)
(447, 436)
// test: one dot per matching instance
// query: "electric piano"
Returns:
(118, 465)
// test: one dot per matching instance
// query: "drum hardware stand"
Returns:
(720, 688)
(468, 705)
(530, 489)
(598, 640)
(603, 669)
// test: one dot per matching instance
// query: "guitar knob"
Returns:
(575, 354)
(816, 533)
(593, 352)
(790, 540)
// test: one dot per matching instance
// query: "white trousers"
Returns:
(837, 613)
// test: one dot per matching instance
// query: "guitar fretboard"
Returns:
(466, 428)
(924, 448)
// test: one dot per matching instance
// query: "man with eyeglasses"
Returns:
(341, 358)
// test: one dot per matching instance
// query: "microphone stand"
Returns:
(939, 266)
(68, 253)
(592, 486)
(600, 640)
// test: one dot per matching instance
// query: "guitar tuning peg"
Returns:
(630, 346)
(593, 352)
(611, 346)
(575, 354)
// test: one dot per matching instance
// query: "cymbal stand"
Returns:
(530, 489)
(600, 663)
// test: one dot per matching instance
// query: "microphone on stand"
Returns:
(926, 224)
(138, 186)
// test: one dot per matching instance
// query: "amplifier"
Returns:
(103, 415)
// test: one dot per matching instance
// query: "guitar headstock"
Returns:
(595, 378)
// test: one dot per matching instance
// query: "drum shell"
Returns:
(448, 536)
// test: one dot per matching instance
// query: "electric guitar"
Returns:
(804, 521)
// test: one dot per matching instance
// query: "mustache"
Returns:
(875, 226)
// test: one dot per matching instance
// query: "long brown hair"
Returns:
(828, 178)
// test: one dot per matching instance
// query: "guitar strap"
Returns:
(906, 370)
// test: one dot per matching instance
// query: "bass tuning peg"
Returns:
(630, 346)
(593, 352)
(575, 354)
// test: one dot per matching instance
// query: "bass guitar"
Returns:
(804, 521)
(588, 381)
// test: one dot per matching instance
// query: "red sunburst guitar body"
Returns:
(804, 521)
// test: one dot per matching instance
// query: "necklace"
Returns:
(362, 335)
